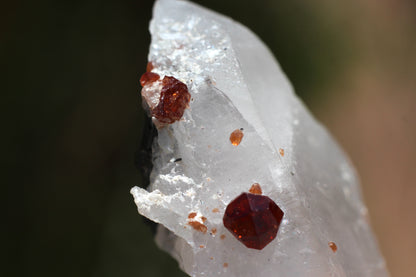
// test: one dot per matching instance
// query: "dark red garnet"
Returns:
(253, 219)
(174, 99)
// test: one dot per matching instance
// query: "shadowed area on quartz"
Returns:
(235, 83)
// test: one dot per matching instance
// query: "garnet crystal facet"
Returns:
(253, 219)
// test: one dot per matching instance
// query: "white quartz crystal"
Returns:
(236, 83)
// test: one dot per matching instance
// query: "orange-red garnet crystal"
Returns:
(236, 137)
(174, 99)
(148, 78)
(253, 219)
(255, 189)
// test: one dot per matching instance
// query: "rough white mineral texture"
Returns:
(235, 82)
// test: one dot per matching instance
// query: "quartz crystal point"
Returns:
(235, 83)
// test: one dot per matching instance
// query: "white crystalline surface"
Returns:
(236, 83)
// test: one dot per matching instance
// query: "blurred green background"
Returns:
(72, 119)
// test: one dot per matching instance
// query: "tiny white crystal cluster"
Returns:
(236, 83)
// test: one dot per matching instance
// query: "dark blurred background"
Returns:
(72, 120)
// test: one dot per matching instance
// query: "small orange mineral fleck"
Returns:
(282, 152)
(255, 189)
(222, 237)
(333, 246)
(211, 258)
(191, 215)
(236, 137)
(213, 231)
(225, 265)
(198, 226)
(215, 210)
(201, 246)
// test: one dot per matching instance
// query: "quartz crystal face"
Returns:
(200, 166)
(253, 219)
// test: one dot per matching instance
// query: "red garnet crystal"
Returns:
(174, 99)
(148, 78)
(253, 219)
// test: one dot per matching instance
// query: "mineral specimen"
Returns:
(234, 82)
